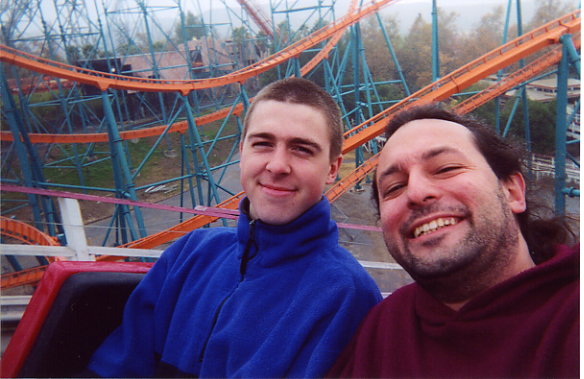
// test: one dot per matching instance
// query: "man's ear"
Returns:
(334, 169)
(514, 187)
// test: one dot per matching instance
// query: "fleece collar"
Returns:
(312, 232)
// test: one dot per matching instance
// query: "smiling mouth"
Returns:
(434, 225)
(275, 189)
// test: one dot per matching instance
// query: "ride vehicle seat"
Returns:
(75, 306)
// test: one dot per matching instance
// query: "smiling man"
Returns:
(275, 297)
(496, 294)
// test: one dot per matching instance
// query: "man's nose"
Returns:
(421, 190)
(279, 162)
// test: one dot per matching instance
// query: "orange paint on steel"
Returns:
(347, 182)
(184, 227)
(25, 233)
(470, 73)
(178, 127)
(534, 68)
(510, 81)
(30, 236)
(29, 276)
(105, 81)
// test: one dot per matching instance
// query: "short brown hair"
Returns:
(303, 91)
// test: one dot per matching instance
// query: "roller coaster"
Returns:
(108, 103)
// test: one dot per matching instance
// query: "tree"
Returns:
(194, 27)
(416, 54)
(549, 10)
(451, 42)
(542, 120)
(486, 36)
(378, 56)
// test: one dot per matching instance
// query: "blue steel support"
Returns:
(561, 129)
(500, 72)
(12, 119)
(393, 55)
(356, 36)
(25, 163)
(122, 175)
(525, 105)
(435, 43)
(573, 56)
(194, 132)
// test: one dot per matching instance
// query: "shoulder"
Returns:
(340, 266)
(392, 316)
(199, 241)
(403, 297)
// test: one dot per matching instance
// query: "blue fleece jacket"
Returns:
(256, 301)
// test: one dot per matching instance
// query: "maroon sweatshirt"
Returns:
(527, 326)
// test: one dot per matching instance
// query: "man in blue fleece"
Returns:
(276, 296)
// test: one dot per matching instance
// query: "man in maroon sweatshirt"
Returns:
(496, 293)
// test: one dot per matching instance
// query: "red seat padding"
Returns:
(75, 306)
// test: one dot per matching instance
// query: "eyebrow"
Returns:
(425, 156)
(294, 140)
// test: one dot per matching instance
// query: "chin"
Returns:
(276, 219)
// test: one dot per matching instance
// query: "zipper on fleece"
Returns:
(245, 257)
(242, 270)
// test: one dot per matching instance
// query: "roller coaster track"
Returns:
(25, 233)
(258, 17)
(522, 75)
(178, 127)
(509, 82)
(30, 236)
(104, 81)
(544, 36)
(457, 81)
(439, 90)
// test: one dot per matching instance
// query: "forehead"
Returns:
(416, 138)
(292, 119)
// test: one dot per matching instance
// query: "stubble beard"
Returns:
(462, 270)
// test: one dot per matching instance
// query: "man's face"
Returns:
(442, 208)
(285, 160)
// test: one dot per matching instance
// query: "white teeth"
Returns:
(434, 225)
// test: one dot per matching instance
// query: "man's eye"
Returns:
(302, 150)
(260, 144)
(447, 169)
(393, 190)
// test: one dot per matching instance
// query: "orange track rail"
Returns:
(30, 236)
(534, 68)
(455, 82)
(470, 73)
(529, 71)
(21, 278)
(104, 81)
(25, 233)
(184, 227)
(358, 174)
(179, 127)
(258, 17)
